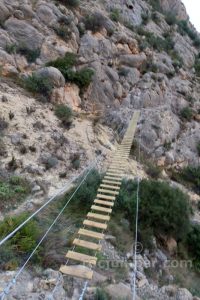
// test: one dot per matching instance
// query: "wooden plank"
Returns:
(119, 157)
(77, 271)
(90, 233)
(100, 208)
(112, 182)
(106, 197)
(117, 167)
(98, 216)
(108, 191)
(116, 173)
(92, 260)
(86, 244)
(95, 224)
(113, 187)
(106, 203)
(113, 178)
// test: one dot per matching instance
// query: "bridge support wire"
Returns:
(136, 221)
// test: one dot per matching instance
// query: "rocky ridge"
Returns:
(123, 81)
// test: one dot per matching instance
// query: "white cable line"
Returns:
(136, 223)
(83, 291)
(13, 281)
(60, 192)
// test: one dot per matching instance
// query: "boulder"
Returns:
(45, 14)
(177, 7)
(132, 60)
(184, 294)
(27, 11)
(5, 39)
(53, 75)
(119, 291)
(4, 12)
(68, 95)
(18, 14)
(25, 34)
(185, 50)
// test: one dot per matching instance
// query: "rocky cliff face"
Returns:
(144, 55)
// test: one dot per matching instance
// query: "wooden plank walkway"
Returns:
(97, 219)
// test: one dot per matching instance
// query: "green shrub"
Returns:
(83, 77)
(170, 18)
(186, 113)
(86, 194)
(72, 3)
(184, 28)
(155, 42)
(196, 42)
(197, 66)
(123, 71)
(38, 84)
(153, 170)
(193, 242)
(177, 61)
(3, 124)
(11, 48)
(63, 31)
(31, 55)
(101, 295)
(163, 209)
(64, 113)
(23, 241)
(115, 15)
(155, 17)
(198, 148)
(191, 175)
(75, 160)
(13, 190)
(145, 18)
(50, 162)
(94, 22)
(149, 66)
(155, 5)
(64, 63)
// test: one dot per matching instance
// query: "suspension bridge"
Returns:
(92, 232)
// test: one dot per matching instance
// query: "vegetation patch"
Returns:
(193, 242)
(94, 22)
(153, 170)
(38, 85)
(31, 55)
(198, 148)
(155, 42)
(64, 113)
(197, 65)
(184, 28)
(81, 77)
(21, 244)
(186, 113)
(163, 209)
(189, 176)
(70, 3)
(63, 31)
(12, 191)
(115, 15)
